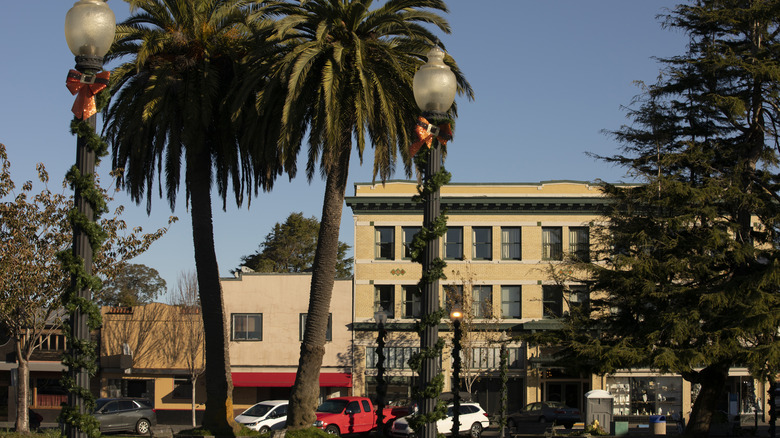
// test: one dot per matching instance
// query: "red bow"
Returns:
(87, 86)
(426, 132)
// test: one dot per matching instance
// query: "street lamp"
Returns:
(381, 386)
(503, 366)
(456, 315)
(434, 91)
(89, 32)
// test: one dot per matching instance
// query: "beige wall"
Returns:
(281, 298)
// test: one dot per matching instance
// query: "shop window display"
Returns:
(645, 395)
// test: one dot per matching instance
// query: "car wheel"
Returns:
(568, 425)
(332, 429)
(265, 429)
(476, 430)
(142, 427)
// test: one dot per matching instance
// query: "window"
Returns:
(408, 237)
(412, 303)
(552, 248)
(182, 387)
(510, 302)
(396, 358)
(579, 297)
(453, 297)
(302, 327)
(384, 299)
(385, 243)
(247, 327)
(490, 357)
(552, 300)
(453, 243)
(482, 301)
(510, 243)
(579, 243)
(482, 241)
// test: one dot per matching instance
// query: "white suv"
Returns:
(473, 420)
(265, 416)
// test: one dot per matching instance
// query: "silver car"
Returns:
(125, 414)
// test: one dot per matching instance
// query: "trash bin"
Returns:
(658, 424)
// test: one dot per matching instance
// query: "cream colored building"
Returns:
(143, 348)
(266, 314)
(503, 245)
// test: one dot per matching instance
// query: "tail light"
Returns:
(486, 414)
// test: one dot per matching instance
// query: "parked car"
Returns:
(125, 414)
(265, 416)
(545, 412)
(473, 420)
(350, 415)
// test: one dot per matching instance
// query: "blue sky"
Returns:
(549, 77)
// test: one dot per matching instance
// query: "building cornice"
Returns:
(481, 204)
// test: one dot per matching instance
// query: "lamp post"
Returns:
(381, 386)
(434, 91)
(503, 366)
(89, 32)
(456, 315)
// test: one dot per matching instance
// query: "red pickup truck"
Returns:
(346, 415)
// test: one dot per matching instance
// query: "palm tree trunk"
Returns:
(712, 380)
(306, 390)
(218, 416)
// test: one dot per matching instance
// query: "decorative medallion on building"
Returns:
(398, 272)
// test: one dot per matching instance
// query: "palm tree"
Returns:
(347, 73)
(170, 105)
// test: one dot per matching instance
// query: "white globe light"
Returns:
(434, 84)
(89, 28)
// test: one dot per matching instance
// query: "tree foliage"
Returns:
(687, 268)
(290, 247)
(175, 118)
(345, 74)
(135, 284)
(34, 227)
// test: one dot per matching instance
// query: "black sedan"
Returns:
(545, 412)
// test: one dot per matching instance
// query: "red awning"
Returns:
(282, 380)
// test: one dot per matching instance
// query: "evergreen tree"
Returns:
(290, 247)
(687, 269)
(135, 284)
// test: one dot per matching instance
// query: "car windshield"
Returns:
(332, 406)
(257, 410)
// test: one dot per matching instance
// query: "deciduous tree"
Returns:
(135, 284)
(34, 227)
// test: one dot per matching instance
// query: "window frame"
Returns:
(414, 302)
(551, 250)
(378, 301)
(506, 245)
(302, 327)
(407, 240)
(233, 337)
(483, 245)
(552, 301)
(580, 251)
(506, 302)
(481, 308)
(381, 246)
(458, 288)
(455, 245)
